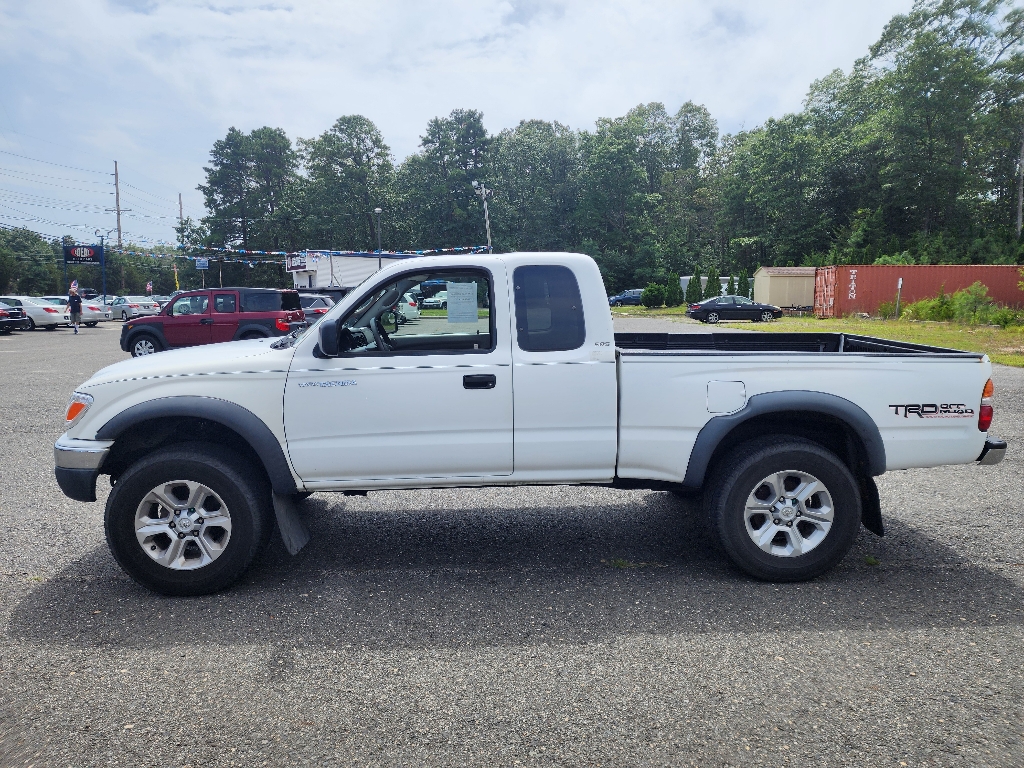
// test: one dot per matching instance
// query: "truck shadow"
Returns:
(434, 569)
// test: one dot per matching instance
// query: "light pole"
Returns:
(379, 249)
(484, 193)
(103, 261)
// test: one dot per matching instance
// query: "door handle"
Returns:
(480, 381)
(206, 321)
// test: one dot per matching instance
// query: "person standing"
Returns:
(75, 306)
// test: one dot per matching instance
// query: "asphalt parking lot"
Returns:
(545, 626)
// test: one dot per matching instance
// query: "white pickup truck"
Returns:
(519, 380)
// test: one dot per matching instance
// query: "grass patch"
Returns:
(1002, 345)
(872, 561)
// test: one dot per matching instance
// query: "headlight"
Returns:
(77, 405)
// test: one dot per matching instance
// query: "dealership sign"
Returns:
(295, 262)
(83, 254)
(202, 263)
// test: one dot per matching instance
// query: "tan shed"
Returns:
(785, 286)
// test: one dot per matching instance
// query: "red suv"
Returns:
(211, 316)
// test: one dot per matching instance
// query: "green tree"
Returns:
(743, 284)
(714, 286)
(730, 289)
(694, 289)
(673, 291)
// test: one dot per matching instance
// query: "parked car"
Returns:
(630, 297)
(212, 316)
(161, 300)
(38, 313)
(783, 433)
(130, 307)
(315, 304)
(438, 301)
(11, 318)
(732, 308)
(407, 309)
(93, 310)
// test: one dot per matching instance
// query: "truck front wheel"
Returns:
(784, 512)
(187, 519)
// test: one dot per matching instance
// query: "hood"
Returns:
(253, 355)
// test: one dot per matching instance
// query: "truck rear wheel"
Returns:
(187, 519)
(784, 512)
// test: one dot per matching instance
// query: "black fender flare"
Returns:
(250, 327)
(716, 430)
(155, 330)
(231, 415)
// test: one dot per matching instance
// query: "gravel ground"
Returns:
(545, 626)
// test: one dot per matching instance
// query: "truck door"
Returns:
(428, 398)
(566, 415)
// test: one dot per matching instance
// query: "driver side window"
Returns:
(440, 311)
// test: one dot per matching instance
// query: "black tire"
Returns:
(90, 325)
(739, 474)
(30, 324)
(444, 305)
(124, 316)
(252, 335)
(767, 317)
(144, 344)
(247, 498)
(712, 318)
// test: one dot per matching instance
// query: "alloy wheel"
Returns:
(182, 525)
(788, 513)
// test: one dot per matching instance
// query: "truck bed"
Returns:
(641, 343)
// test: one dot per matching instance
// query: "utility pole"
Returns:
(117, 203)
(484, 192)
(181, 215)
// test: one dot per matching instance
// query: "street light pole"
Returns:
(378, 211)
(484, 193)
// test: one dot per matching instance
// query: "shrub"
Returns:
(714, 286)
(887, 310)
(653, 295)
(743, 284)
(673, 292)
(694, 291)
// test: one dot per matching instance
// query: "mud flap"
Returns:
(294, 532)
(870, 506)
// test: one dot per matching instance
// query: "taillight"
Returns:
(695, 306)
(51, 310)
(985, 412)
(134, 306)
(4, 313)
(281, 325)
(412, 303)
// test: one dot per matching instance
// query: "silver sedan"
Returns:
(39, 313)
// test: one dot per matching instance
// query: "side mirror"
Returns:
(329, 339)
(389, 321)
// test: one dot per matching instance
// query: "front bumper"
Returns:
(993, 452)
(77, 465)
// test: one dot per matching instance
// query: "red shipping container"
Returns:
(848, 290)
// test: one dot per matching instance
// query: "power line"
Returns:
(44, 176)
(47, 162)
(48, 184)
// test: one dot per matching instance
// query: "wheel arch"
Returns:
(154, 330)
(829, 420)
(253, 327)
(165, 421)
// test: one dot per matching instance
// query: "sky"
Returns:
(153, 84)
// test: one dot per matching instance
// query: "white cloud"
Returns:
(153, 84)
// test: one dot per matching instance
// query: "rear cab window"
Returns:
(549, 309)
(270, 301)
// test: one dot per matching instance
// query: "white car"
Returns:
(438, 301)
(129, 307)
(39, 312)
(407, 309)
(93, 310)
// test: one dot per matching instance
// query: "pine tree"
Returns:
(694, 292)
(714, 286)
(743, 286)
(673, 293)
(730, 289)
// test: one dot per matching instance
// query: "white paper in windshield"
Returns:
(462, 303)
